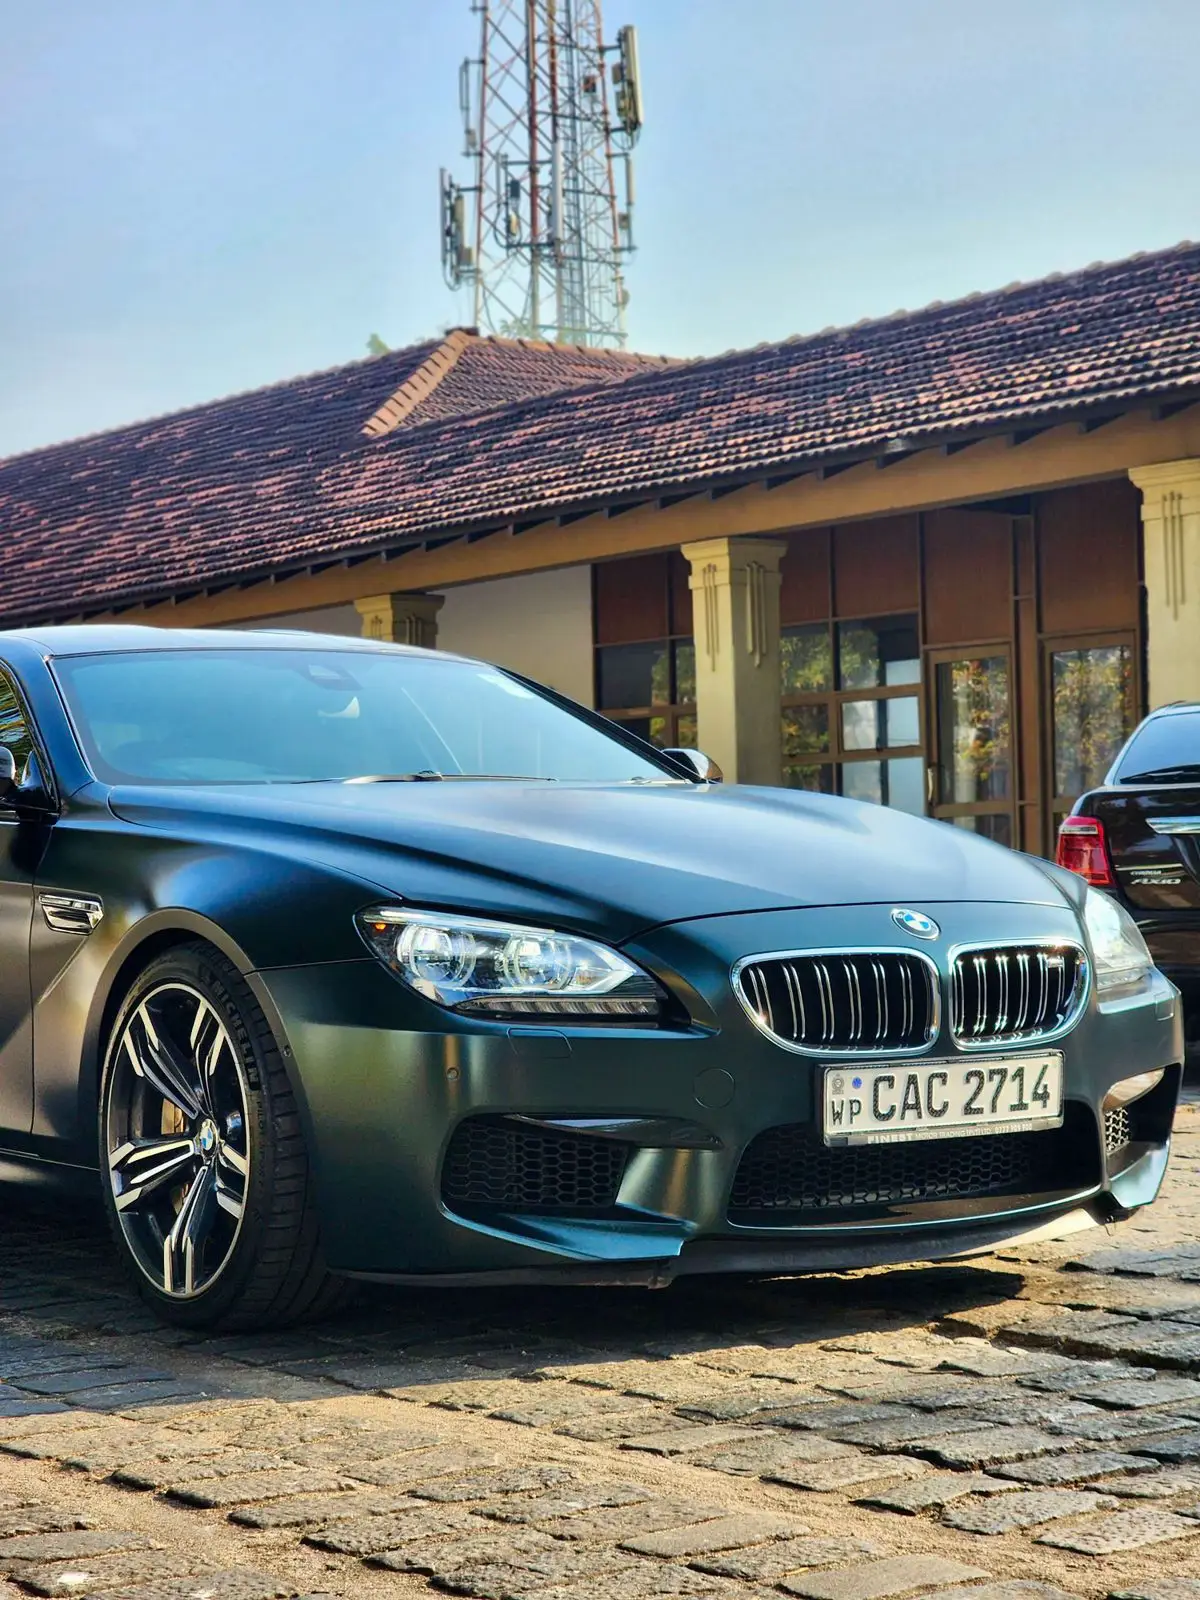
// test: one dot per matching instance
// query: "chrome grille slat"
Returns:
(843, 1002)
(1015, 993)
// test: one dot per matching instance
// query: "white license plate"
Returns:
(897, 1101)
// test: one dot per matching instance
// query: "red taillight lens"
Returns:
(1082, 848)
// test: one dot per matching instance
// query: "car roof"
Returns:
(102, 638)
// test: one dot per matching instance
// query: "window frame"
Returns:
(37, 745)
(835, 697)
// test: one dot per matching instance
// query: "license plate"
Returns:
(897, 1101)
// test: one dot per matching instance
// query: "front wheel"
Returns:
(206, 1176)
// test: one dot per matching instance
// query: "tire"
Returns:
(205, 1175)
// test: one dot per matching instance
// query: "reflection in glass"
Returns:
(899, 784)
(878, 724)
(905, 784)
(806, 660)
(816, 776)
(685, 671)
(634, 675)
(997, 827)
(878, 652)
(973, 729)
(1092, 692)
(805, 730)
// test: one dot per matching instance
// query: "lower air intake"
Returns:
(498, 1163)
(788, 1176)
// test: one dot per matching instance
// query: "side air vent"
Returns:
(842, 1002)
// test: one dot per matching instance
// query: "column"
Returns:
(735, 604)
(401, 618)
(1171, 543)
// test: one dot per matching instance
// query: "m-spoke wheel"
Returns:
(177, 1136)
(206, 1174)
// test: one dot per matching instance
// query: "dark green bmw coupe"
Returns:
(339, 959)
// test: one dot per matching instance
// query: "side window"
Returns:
(14, 725)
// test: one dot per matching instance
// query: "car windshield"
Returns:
(1164, 748)
(304, 715)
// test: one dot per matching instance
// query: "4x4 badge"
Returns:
(916, 923)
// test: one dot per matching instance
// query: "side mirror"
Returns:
(8, 775)
(705, 768)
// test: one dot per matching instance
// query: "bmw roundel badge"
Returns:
(916, 923)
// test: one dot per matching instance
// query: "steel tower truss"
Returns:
(550, 115)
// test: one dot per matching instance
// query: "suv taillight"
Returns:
(1082, 848)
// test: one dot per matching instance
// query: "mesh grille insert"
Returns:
(496, 1162)
(1118, 1129)
(844, 1001)
(788, 1174)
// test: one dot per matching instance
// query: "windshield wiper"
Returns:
(1185, 772)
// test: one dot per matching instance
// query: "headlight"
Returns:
(497, 969)
(1122, 962)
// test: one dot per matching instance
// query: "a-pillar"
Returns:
(1171, 528)
(735, 605)
(401, 618)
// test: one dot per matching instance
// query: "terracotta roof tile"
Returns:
(273, 481)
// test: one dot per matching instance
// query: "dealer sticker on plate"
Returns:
(949, 1099)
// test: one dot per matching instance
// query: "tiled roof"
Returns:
(153, 506)
(285, 478)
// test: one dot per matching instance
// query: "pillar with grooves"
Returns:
(401, 618)
(1171, 543)
(735, 602)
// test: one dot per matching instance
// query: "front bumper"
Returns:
(386, 1080)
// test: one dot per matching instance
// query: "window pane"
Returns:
(973, 729)
(814, 776)
(1163, 742)
(686, 735)
(634, 675)
(878, 652)
(14, 730)
(863, 780)
(805, 730)
(905, 785)
(878, 724)
(806, 660)
(685, 671)
(997, 828)
(1091, 698)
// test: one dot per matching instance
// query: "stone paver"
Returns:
(724, 1533)
(1160, 1589)
(21, 1552)
(766, 1563)
(987, 1447)
(845, 1472)
(1124, 1530)
(1074, 1466)
(240, 1490)
(874, 1580)
(368, 1536)
(1002, 1513)
(938, 1489)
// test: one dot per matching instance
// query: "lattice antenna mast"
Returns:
(550, 116)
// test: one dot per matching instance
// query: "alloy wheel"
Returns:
(177, 1139)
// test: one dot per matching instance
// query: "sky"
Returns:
(203, 196)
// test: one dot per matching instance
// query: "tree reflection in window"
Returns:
(1092, 689)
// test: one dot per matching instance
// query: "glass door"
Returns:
(970, 781)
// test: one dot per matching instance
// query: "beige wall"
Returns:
(540, 624)
(328, 619)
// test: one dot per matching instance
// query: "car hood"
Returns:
(614, 859)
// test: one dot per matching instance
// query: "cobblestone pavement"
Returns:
(1018, 1428)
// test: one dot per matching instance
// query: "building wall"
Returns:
(540, 625)
(328, 619)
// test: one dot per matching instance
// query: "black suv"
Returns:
(1138, 836)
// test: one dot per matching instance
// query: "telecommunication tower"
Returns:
(538, 232)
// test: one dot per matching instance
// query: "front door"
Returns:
(17, 865)
(971, 781)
